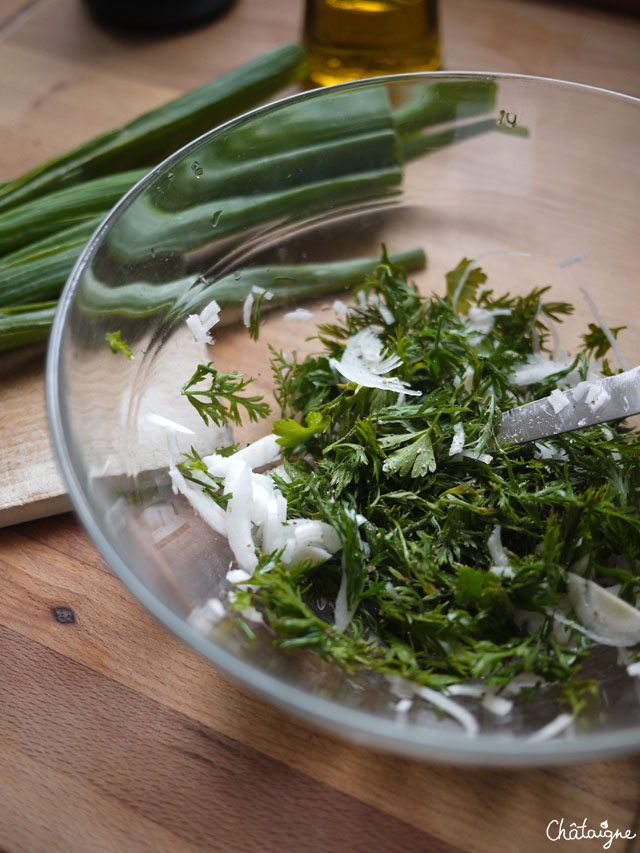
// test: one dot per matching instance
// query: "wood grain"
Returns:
(114, 667)
(64, 79)
(131, 751)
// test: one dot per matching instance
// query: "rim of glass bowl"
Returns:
(358, 726)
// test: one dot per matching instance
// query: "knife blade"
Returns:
(589, 403)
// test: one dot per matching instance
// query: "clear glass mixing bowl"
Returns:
(455, 164)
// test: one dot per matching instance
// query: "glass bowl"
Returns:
(537, 176)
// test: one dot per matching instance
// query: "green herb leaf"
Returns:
(222, 400)
(473, 278)
(293, 434)
(118, 345)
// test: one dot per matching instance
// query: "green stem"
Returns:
(76, 236)
(145, 230)
(29, 323)
(156, 134)
(25, 325)
(278, 172)
(438, 102)
(419, 145)
(186, 295)
(39, 280)
(63, 209)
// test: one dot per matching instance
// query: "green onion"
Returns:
(156, 134)
(63, 209)
(299, 164)
(25, 324)
(188, 295)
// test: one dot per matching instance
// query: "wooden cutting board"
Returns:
(64, 79)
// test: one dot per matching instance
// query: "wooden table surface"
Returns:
(113, 735)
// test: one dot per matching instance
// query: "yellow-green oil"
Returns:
(352, 39)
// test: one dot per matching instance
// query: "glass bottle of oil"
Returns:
(351, 39)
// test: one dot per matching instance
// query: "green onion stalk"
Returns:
(298, 164)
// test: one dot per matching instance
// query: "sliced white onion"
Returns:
(574, 259)
(403, 706)
(261, 290)
(238, 516)
(364, 363)
(497, 705)
(206, 508)
(475, 691)
(457, 442)
(167, 423)
(547, 451)
(537, 368)
(208, 614)
(460, 714)
(481, 457)
(555, 727)
(343, 614)
(296, 552)
(501, 565)
(247, 305)
(300, 314)
(482, 320)
(259, 453)
(314, 531)
(557, 400)
(200, 324)
(237, 575)
(615, 621)
(524, 681)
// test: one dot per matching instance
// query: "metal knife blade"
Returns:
(587, 404)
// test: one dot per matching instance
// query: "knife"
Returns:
(589, 403)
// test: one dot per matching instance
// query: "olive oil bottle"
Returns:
(351, 39)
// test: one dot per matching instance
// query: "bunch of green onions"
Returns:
(48, 214)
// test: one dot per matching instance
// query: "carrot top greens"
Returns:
(455, 551)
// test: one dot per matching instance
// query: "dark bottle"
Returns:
(157, 15)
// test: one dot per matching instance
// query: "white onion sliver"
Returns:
(457, 442)
(555, 727)
(364, 363)
(571, 623)
(238, 516)
(574, 259)
(261, 452)
(208, 510)
(464, 717)
(167, 423)
(199, 333)
(473, 690)
(208, 614)
(247, 305)
(614, 620)
(299, 314)
(536, 369)
(497, 705)
(237, 575)
(210, 315)
(343, 614)
(558, 400)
